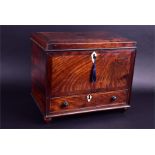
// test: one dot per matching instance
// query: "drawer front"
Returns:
(71, 103)
(70, 74)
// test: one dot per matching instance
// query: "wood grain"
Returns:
(38, 77)
(61, 71)
(80, 101)
(51, 41)
(70, 74)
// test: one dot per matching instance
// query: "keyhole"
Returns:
(94, 56)
(88, 96)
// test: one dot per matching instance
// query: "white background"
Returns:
(131, 12)
(80, 12)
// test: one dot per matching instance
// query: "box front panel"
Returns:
(70, 73)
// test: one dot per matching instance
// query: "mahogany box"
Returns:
(77, 72)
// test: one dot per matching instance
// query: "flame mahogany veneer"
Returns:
(62, 69)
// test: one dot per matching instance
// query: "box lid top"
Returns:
(51, 41)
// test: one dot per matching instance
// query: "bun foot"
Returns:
(47, 119)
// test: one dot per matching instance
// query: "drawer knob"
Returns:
(113, 98)
(65, 104)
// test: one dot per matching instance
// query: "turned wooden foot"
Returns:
(47, 119)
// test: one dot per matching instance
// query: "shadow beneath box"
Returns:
(19, 111)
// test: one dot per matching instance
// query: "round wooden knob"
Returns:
(113, 98)
(65, 104)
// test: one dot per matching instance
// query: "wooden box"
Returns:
(77, 72)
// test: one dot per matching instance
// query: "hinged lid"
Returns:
(56, 41)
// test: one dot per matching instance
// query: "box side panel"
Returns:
(132, 65)
(38, 75)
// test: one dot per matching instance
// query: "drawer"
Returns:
(77, 102)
